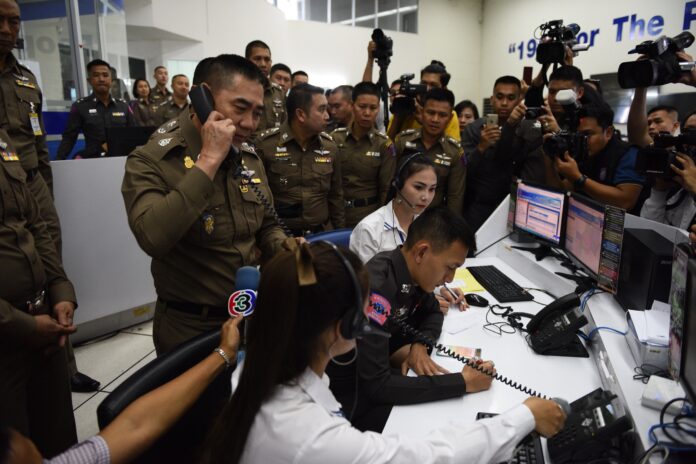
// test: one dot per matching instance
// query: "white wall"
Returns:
(507, 22)
(449, 30)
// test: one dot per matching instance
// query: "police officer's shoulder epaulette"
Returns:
(453, 141)
(158, 147)
(249, 148)
(268, 133)
(381, 134)
(339, 129)
(166, 127)
(121, 100)
(407, 132)
(25, 69)
(326, 136)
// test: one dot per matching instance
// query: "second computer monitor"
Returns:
(539, 211)
(593, 238)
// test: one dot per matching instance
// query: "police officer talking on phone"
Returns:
(191, 204)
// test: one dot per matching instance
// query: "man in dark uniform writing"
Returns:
(301, 161)
(192, 210)
(402, 283)
(93, 114)
(36, 316)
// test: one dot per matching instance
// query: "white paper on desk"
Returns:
(651, 326)
(459, 321)
(660, 306)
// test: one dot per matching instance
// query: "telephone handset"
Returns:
(203, 104)
(553, 330)
(421, 337)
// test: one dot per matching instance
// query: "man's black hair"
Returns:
(280, 67)
(300, 97)
(255, 44)
(200, 74)
(299, 73)
(437, 67)
(672, 111)
(159, 67)
(441, 227)
(509, 80)
(366, 88)
(97, 62)
(345, 90)
(397, 81)
(439, 94)
(176, 76)
(223, 68)
(567, 73)
(599, 111)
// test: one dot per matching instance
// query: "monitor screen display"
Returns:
(539, 212)
(584, 228)
(688, 355)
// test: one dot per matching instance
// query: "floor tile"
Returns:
(86, 417)
(107, 359)
(79, 398)
(143, 329)
(121, 378)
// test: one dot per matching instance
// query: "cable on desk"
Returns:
(645, 457)
(676, 444)
(589, 294)
(644, 371)
(610, 329)
(494, 243)
(542, 291)
(501, 327)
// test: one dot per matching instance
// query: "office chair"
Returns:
(339, 237)
(182, 443)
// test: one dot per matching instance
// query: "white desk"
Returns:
(610, 365)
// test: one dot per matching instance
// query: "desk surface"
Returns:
(568, 378)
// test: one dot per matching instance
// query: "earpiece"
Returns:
(397, 183)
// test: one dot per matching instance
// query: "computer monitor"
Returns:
(540, 212)
(687, 373)
(593, 237)
(123, 140)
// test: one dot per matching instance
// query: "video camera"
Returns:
(384, 49)
(661, 67)
(565, 141)
(655, 161)
(554, 38)
(406, 104)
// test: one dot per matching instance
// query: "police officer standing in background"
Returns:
(36, 314)
(93, 114)
(367, 156)
(191, 210)
(177, 103)
(160, 92)
(340, 107)
(444, 151)
(301, 161)
(273, 114)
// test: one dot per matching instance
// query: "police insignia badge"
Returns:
(164, 142)
(209, 223)
(188, 162)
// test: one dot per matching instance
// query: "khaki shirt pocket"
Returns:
(14, 190)
(283, 175)
(213, 226)
(321, 173)
(26, 97)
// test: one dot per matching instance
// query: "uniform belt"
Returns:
(360, 202)
(197, 309)
(31, 173)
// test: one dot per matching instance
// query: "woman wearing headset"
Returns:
(282, 409)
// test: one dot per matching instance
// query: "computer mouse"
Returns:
(475, 300)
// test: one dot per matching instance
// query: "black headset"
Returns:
(354, 322)
(397, 183)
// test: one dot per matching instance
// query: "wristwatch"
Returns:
(580, 182)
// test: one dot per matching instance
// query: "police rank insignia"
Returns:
(322, 159)
(208, 223)
(9, 155)
(164, 142)
(188, 162)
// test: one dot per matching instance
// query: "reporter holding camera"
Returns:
(606, 170)
(673, 201)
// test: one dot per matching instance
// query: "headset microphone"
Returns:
(403, 197)
(243, 301)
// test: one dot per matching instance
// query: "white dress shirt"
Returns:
(303, 423)
(379, 231)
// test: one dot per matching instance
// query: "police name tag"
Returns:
(281, 150)
(92, 111)
(323, 159)
(442, 162)
(118, 114)
(410, 145)
(373, 154)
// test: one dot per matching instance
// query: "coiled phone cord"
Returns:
(443, 349)
(242, 172)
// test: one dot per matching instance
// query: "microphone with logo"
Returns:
(242, 302)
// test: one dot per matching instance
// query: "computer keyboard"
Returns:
(528, 451)
(499, 285)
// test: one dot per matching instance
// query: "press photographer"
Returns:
(605, 170)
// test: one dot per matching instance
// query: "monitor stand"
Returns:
(540, 252)
(584, 283)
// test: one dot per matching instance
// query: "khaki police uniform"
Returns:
(274, 112)
(34, 390)
(167, 110)
(450, 164)
(198, 231)
(306, 184)
(367, 167)
(143, 112)
(21, 101)
(158, 95)
(90, 116)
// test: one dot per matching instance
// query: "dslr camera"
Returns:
(565, 141)
(407, 104)
(661, 67)
(534, 112)
(655, 161)
(554, 38)
(384, 49)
